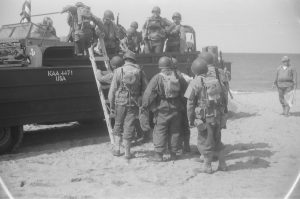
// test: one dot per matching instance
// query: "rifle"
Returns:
(123, 35)
(225, 69)
(224, 99)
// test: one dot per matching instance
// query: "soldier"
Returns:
(111, 33)
(154, 32)
(48, 24)
(173, 42)
(81, 30)
(204, 111)
(286, 83)
(186, 133)
(128, 85)
(105, 77)
(134, 38)
(164, 97)
(218, 73)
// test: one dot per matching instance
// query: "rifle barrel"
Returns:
(50, 13)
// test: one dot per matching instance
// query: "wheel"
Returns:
(5, 139)
(17, 136)
(10, 138)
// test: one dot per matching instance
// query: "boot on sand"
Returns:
(127, 144)
(117, 146)
(158, 157)
(206, 166)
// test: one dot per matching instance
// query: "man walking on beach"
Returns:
(286, 83)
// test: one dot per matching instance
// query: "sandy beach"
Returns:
(262, 153)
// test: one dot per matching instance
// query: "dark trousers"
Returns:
(167, 130)
(125, 121)
(153, 47)
(209, 139)
(172, 49)
(282, 91)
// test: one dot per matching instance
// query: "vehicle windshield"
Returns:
(26, 30)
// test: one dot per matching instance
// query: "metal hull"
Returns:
(48, 94)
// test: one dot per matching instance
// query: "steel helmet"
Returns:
(80, 4)
(129, 55)
(116, 61)
(285, 59)
(165, 62)
(108, 14)
(47, 21)
(134, 25)
(176, 14)
(199, 66)
(208, 57)
(156, 9)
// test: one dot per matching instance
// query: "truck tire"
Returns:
(10, 138)
(5, 139)
(17, 136)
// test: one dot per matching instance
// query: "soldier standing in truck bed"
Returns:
(134, 38)
(155, 31)
(173, 42)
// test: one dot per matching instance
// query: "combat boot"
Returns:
(206, 166)
(222, 164)
(158, 157)
(173, 156)
(117, 146)
(186, 146)
(127, 144)
(287, 111)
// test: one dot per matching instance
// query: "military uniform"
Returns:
(174, 34)
(205, 113)
(154, 32)
(81, 31)
(285, 81)
(167, 110)
(125, 100)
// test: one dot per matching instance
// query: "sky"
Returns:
(255, 26)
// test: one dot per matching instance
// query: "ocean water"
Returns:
(256, 72)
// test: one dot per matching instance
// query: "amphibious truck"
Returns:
(43, 81)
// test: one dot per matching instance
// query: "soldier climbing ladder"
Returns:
(104, 101)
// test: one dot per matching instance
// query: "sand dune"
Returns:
(262, 149)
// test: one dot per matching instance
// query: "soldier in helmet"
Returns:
(204, 110)
(164, 97)
(81, 30)
(128, 85)
(105, 77)
(111, 33)
(48, 25)
(154, 32)
(173, 42)
(134, 38)
(186, 133)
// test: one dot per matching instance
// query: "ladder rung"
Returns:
(101, 59)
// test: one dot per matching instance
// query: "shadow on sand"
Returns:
(254, 153)
(239, 115)
(295, 114)
(51, 140)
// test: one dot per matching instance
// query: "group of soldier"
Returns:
(176, 103)
(85, 28)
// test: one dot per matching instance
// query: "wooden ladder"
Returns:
(104, 101)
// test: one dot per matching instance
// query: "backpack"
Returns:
(213, 87)
(131, 80)
(171, 85)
